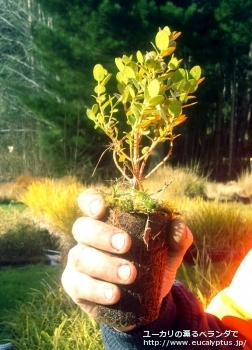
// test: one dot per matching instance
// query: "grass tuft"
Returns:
(50, 321)
(54, 203)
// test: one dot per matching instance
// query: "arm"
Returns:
(91, 278)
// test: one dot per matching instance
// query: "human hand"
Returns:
(91, 275)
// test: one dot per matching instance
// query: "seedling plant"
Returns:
(154, 91)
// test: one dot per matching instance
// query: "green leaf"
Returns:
(173, 64)
(90, 114)
(182, 86)
(131, 91)
(165, 76)
(131, 119)
(126, 59)
(145, 150)
(162, 40)
(154, 87)
(156, 100)
(146, 93)
(99, 89)
(101, 98)
(167, 30)
(162, 113)
(126, 95)
(179, 75)
(193, 85)
(139, 57)
(149, 110)
(108, 102)
(99, 72)
(183, 97)
(106, 79)
(136, 109)
(95, 108)
(133, 65)
(175, 108)
(121, 79)
(122, 158)
(135, 83)
(196, 72)
(119, 64)
(129, 73)
(120, 88)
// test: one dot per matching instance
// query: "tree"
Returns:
(235, 22)
(18, 125)
(48, 50)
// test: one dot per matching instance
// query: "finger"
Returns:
(92, 203)
(107, 268)
(84, 289)
(180, 238)
(101, 235)
(88, 293)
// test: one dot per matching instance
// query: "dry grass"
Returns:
(11, 218)
(181, 182)
(54, 204)
(10, 191)
(245, 182)
(221, 226)
(226, 191)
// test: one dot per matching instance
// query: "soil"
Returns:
(140, 301)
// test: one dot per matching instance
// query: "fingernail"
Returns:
(108, 292)
(124, 272)
(94, 206)
(118, 241)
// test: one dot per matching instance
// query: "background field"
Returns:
(36, 313)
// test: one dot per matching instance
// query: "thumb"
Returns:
(92, 203)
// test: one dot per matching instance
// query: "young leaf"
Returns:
(99, 89)
(99, 72)
(156, 100)
(193, 85)
(106, 79)
(167, 30)
(175, 108)
(129, 73)
(196, 72)
(131, 120)
(139, 57)
(119, 64)
(179, 120)
(122, 158)
(167, 51)
(162, 40)
(95, 108)
(145, 150)
(173, 64)
(136, 109)
(90, 114)
(154, 87)
(175, 35)
(120, 78)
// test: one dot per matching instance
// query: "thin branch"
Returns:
(23, 76)
(120, 168)
(163, 161)
(19, 61)
(100, 160)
